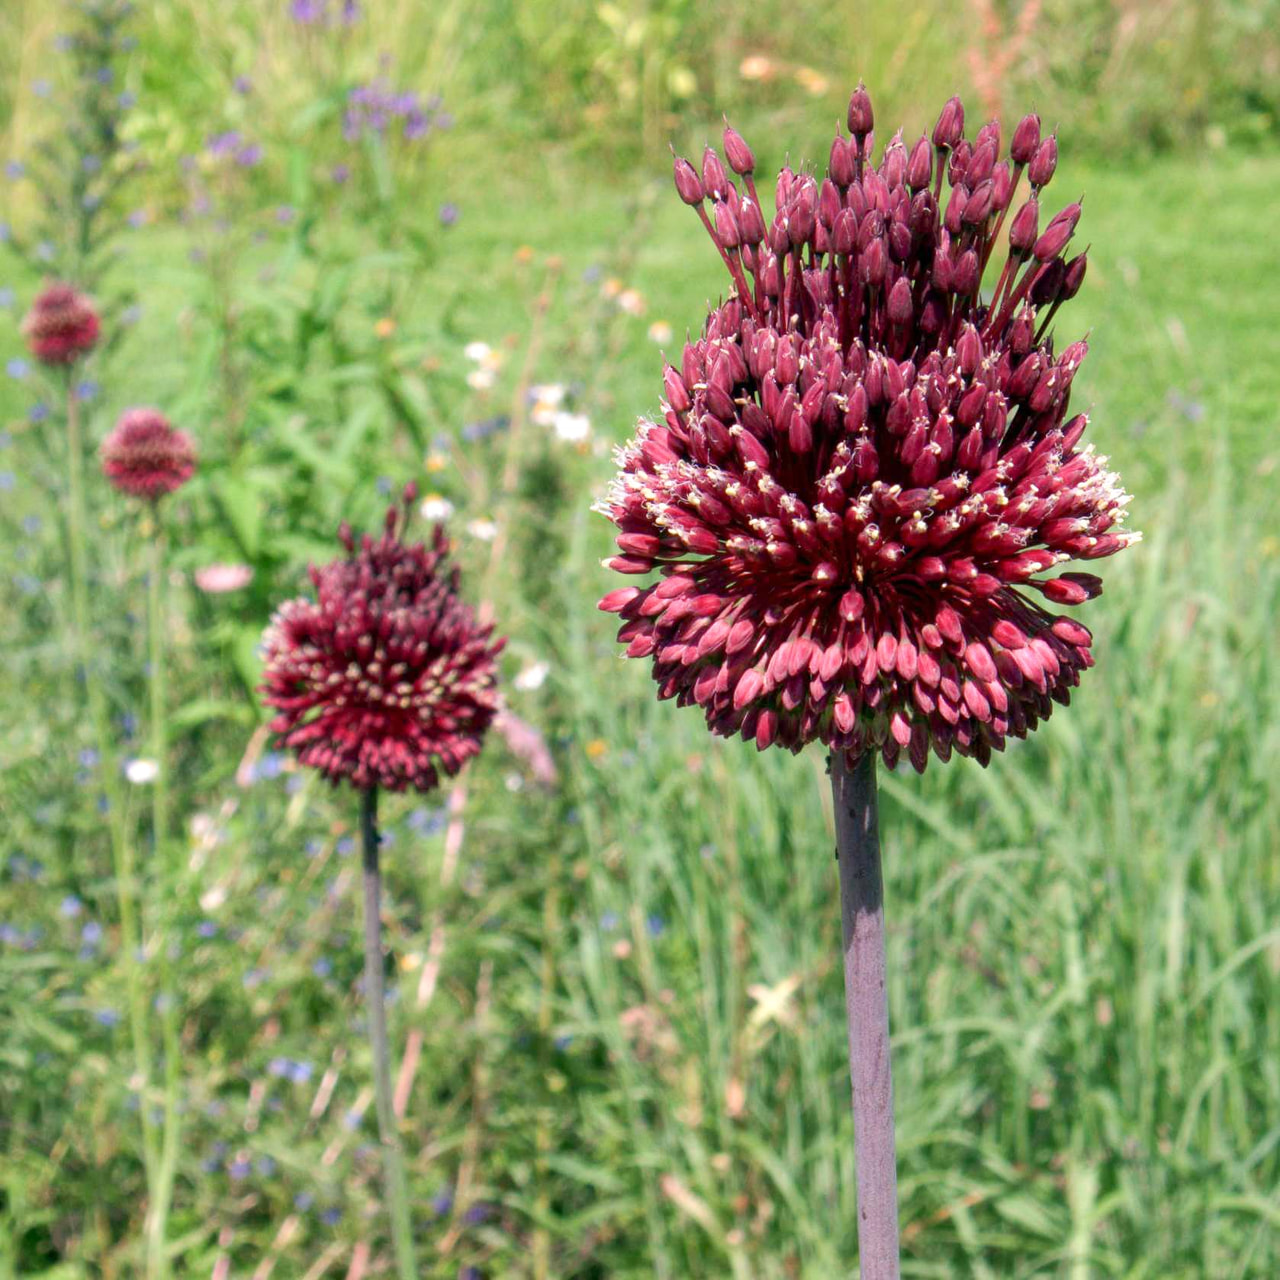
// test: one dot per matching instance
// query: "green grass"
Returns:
(634, 1050)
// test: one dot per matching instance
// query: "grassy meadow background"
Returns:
(622, 987)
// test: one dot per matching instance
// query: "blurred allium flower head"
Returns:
(145, 457)
(62, 325)
(386, 678)
(866, 470)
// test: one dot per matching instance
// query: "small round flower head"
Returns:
(866, 470)
(61, 326)
(386, 678)
(145, 457)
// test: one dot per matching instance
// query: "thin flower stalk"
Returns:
(385, 680)
(375, 1004)
(122, 850)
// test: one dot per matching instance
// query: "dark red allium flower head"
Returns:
(145, 457)
(866, 469)
(386, 678)
(61, 326)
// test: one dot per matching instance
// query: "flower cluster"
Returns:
(865, 462)
(61, 326)
(373, 108)
(145, 457)
(386, 679)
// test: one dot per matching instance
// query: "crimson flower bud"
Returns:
(900, 308)
(840, 166)
(750, 222)
(1026, 139)
(861, 117)
(713, 176)
(1073, 278)
(1057, 233)
(688, 185)
(978, 206)
(920, 165)
(1044, 162)
(1025, 226)
(726, 225)
(740, 157)
(950, 127)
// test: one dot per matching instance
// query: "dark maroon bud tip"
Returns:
(861, 118)
(900, 309)
(920, 165)
(1044, 162)
(1073, 278)
(1026, 138)
(740, 157)
(1025, 227)
(714, 180)
(840, 167)
(950, 127)
(688, 185)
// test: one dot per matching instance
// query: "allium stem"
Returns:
(121, 848)
(397, 1190)
(867, 1003)
(162, 1192)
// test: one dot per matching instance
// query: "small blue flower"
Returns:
(300, 1072)
(609, 921)
(6, 439)
(41, 88)
(87, 389)
(91, 163)
(104, 75)
(266, 1166)
(88, 758)
(242, 84)
(7, 481)
(70, 907)
(477, 1214)
(31, 525)
(331, 1216)
(107, 1017)
(346, 847)
(656, 926)
(303, 1201)
(91, 933)
(17, 368)
(322, 968)
(442, 1202)
(562, 1042)
(254, 978)
(206, 929)
(126, 100)
(239, 1168)
(15, 169)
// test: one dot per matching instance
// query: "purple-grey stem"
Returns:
(867, 1003)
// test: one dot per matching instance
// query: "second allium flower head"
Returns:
(145, 457)
(62, 325)
(386, 679)
(863, 466)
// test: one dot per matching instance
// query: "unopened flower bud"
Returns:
(713, 176)
(978, 206)
(688, 185)
(861, 118)
(1025, 227)
(920, 165)
(840, 166)
(900, 308)
(726, 225)
(1073, 278)
(1026, 139)
(1044, 162)
(950, 127)
(750, 222)
(740, 157)
(1057, 233)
